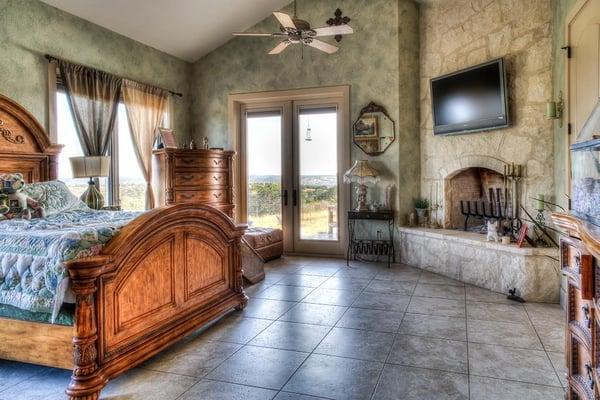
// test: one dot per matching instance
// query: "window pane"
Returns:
(264, 170)
(67, 136)
(318, 174)
(132, 187)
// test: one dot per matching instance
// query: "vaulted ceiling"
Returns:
(187, 29)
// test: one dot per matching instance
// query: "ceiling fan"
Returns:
(296, 30)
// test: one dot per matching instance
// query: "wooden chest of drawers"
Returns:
(580, 254)
(193, 176)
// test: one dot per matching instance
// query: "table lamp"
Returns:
(361, 173)
(91, 167)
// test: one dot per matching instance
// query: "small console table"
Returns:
(375, 247)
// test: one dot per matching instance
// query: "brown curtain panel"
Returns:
(94, 99)
(145, 109)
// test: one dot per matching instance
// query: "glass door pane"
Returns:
(263, 155)
(318, 174)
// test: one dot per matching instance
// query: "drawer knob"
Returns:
(217, 162)
(187, 196)
(217, 178)
(187, 160)
(187, 177)
(217, 195)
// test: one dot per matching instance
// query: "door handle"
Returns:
(295, 197)
(285, 197)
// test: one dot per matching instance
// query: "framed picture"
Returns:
(522, 235)
(167, 138)
(366, 128)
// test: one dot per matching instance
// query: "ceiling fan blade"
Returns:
(277, 34)
(284, 19)
(280, 47)
(334, 30)
(326, 47)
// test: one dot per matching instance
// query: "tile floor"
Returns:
(316, 329)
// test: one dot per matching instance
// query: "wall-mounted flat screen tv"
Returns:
(470, 100)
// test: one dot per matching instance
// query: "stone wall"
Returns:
(461, 33)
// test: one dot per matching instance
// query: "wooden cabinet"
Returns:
(193, 176)
(580, 261)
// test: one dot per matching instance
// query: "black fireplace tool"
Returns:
(512, 295)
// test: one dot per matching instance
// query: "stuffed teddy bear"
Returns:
(4, 208)
(19, 204)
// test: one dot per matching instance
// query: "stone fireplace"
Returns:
(474, 187)
(467, 256)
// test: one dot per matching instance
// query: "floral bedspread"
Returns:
(33, 275)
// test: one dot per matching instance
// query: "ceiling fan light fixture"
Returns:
(296, 30)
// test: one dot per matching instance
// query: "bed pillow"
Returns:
(54, 196)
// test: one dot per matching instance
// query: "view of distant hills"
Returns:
(311, 180)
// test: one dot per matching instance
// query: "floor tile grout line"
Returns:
(312, 352)
(43, 371)
(517, 381)
(234, 353)
(467, 337)
(321, 341)
(544, 347)
(395, 338)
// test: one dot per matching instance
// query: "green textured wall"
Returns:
(560, 9)
(29, 29)
(380, 62)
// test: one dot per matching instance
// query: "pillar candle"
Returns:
(550, 110)
(540, 202)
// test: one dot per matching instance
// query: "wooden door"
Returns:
(583, 65)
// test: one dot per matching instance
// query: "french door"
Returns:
(293, 156)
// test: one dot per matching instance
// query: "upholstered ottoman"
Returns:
(266, 242)
(259, 246)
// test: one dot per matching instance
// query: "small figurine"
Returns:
(205, 143)
(192, 145)
(492, 231)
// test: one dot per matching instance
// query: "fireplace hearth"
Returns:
(473, 195)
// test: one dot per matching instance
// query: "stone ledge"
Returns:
(467, 257)
(476, 239)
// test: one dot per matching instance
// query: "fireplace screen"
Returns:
(473, 191)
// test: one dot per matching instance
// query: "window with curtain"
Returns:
(129, 185)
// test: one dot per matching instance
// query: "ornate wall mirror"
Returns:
(374, 131)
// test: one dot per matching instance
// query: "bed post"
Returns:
(85, 381)
(239, 278)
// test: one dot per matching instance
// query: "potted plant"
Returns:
(421, 207)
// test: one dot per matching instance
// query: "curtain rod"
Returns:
(52, 59)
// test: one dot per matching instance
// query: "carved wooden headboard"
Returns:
(24, 145)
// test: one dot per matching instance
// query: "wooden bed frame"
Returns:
(164, 275)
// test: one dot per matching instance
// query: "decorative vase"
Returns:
(421, 216)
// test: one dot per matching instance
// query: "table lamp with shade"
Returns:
(361, 172)
(91, 167)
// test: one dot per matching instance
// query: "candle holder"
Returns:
(513, 173)
(538, 228)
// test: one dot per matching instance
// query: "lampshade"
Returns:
(361, 171)
(90, 166)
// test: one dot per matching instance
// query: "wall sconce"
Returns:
(554, 109)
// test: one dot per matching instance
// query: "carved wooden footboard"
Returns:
(164, 275)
